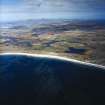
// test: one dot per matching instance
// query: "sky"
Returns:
(11, 10)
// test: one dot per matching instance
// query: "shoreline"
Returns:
(54, 57)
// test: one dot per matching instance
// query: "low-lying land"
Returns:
(78, 41)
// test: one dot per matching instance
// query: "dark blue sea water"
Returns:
(28, 80)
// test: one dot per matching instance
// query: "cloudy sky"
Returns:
(34, 9)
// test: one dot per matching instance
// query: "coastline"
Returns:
(54, 57)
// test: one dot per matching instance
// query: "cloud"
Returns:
(34, 6)
(51, 8)
(64, 5)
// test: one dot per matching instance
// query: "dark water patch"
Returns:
(47, 81)
(76, 50)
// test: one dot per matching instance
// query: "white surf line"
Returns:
(55, 57)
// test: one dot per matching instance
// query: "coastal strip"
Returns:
(55, 57)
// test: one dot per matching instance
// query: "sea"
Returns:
(32, 80)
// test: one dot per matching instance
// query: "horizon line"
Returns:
(5, 21)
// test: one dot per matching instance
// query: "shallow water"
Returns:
(28, 80)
